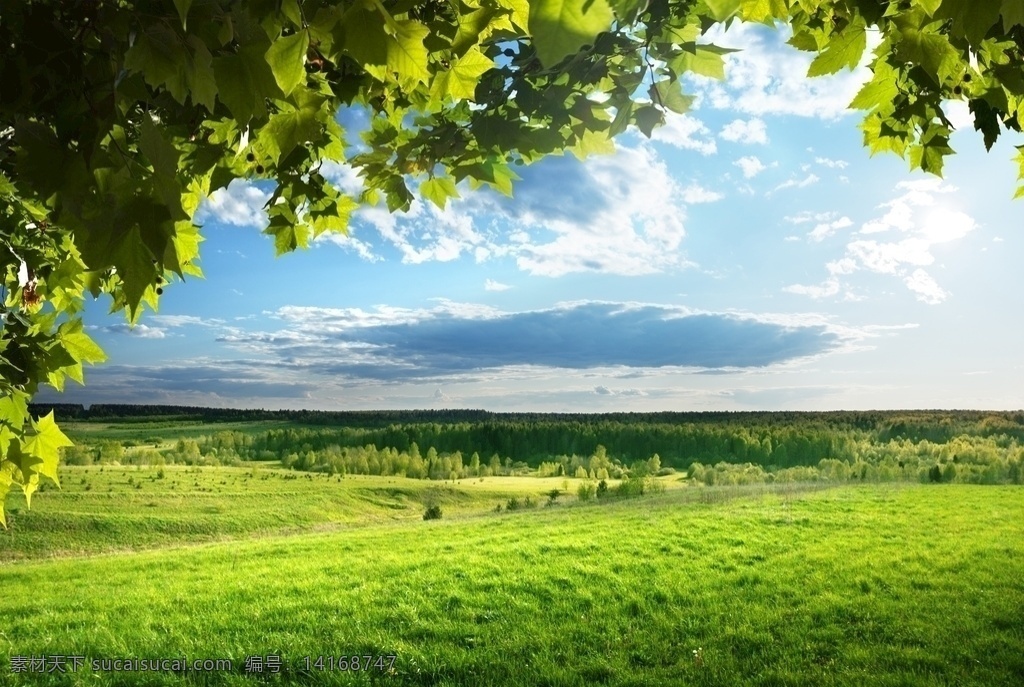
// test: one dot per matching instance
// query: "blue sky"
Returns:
(750, 256)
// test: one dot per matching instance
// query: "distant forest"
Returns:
(935, 445)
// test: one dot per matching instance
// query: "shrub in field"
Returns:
(432, 513)
(586, 491)
(632, 486)
(602, 489)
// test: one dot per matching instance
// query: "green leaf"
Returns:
(647, 118)
(764, 11)
(561, 27)
(335, 217)
(844, 49)
(705, 60)
(135, 268)
(164, 60)
(1013, 14)
(158, 54)
(199, 74)
(880, 91)
(930, 154)
(45, 445)
(288, 234)
(1019, 159)
(14, 410)
(407, 56)
(626, 10)
(183, 6)
(928, 48)
(986, 120)
(723, 9)
(471, 28)
(438, 190)
(593, 143)
(287, 60)
(295, 124)
(970, 18)
(362, 36)
(460, 80)
(669, 94)
(804, 40)
(6, 469)
(161, 154)
(245, 81)
(78, 344)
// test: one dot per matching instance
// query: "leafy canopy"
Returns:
(117, 117)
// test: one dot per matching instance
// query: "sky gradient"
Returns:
(750, 256)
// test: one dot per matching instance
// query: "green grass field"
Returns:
(854, 585)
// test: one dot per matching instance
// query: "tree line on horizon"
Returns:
(962, 446)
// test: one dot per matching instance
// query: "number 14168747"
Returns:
(365, 662)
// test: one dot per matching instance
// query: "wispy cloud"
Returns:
(797, 183)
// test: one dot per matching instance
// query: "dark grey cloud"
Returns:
(596, 335)
(577, 337)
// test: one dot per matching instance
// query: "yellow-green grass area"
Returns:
(856, 585)
(167, 428)
(111, 508)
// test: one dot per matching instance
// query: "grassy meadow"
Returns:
(874, 584)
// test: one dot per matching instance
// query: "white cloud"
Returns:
(695, 193)
(915, 221)
(342, 176)
(240, 204)
(832, 164)
(829, 287)
(624, 220)
(616, 214)
(750, 165)
(768, 77)
(491, 285)
(958, 113)
(686, 132)
(749, 131)
(140, 331)
(350, 243)
(826, 229)
(806, 216)
(185, 320)
(795, 183)
(925, 287)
